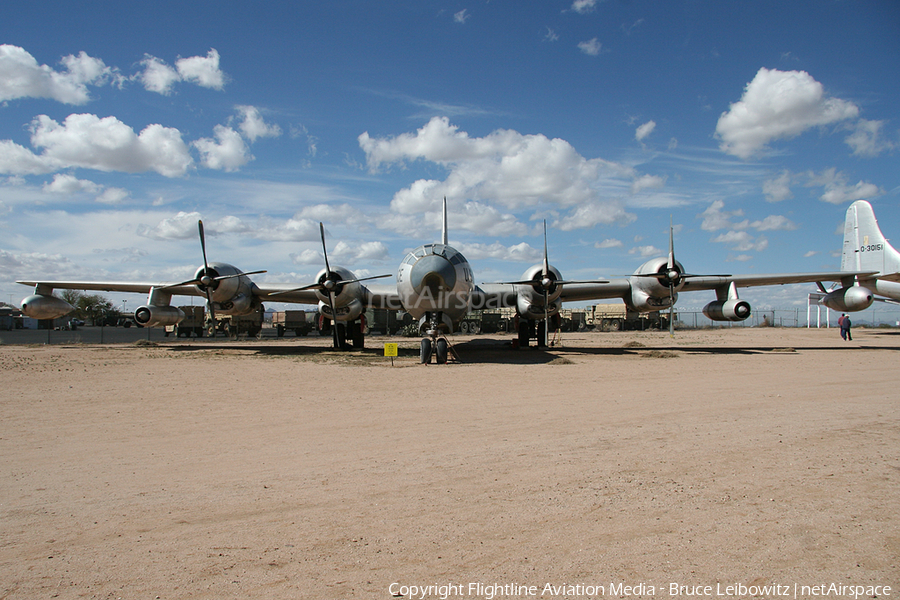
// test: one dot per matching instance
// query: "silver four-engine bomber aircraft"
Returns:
(865, 249)
(435, 285)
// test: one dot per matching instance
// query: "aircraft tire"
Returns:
(358, 336)
(524, 333)
(425, 351)
(440, 351)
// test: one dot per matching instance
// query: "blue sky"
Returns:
(753, 124)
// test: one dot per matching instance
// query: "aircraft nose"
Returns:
(434, 273)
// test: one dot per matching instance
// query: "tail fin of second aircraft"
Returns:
(865, 247)
(444, 237)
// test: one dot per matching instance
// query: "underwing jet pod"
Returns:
(865, 250)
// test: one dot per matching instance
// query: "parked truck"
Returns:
(384, 321)
(235, 325)
(194, 322)
(298, 321)
(618, 317)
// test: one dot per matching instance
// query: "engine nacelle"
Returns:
(158, 316)
(727, 310)
(345, 293)
(641, 301)
(849, 299)
(654, 286)
(345, 313)
(45, 307)
(223, 289)
(242, 304)
(535, 291)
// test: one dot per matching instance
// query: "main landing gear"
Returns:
(349, 336)
(531, 329)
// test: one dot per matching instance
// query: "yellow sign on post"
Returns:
(391, 350)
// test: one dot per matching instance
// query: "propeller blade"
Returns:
(222, 277)
(334, 325)
(324, 250)
(546, 318)
(209, 306)
(546, 270)
(345, 281)
(319, 286)
(671, 263)
(203, 247)
(671, 309)
(557, 281)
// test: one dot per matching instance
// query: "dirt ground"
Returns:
(281, 469)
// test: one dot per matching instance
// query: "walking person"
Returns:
(844, 322)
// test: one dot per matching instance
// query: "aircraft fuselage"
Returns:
(435, 282)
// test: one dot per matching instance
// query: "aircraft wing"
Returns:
(284, 292)
(711, 282)
(263, 291)
(116, 286)
(613, 288)
(895, 277)
(497, 295)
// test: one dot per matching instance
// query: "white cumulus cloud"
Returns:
(507, 168)
(779, 188)
(227, 152)
(204, 71)
(253, 126)
(837, 190)
(778, 105)
(591, 47)
(107, 144)
(22, 77)
(867, 140)
(69, 184)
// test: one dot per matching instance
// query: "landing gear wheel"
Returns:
(425, 351)
(542, 326)
(524, 333)
(341, 336)
(358, 338)
(440, 351)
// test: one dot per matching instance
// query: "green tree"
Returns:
(92, 308)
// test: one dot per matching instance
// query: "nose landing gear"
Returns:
(435, 344)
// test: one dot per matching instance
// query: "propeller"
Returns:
(672, 277)
(546, 284)
(204, 281)
(671, 274)
(330, 284)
